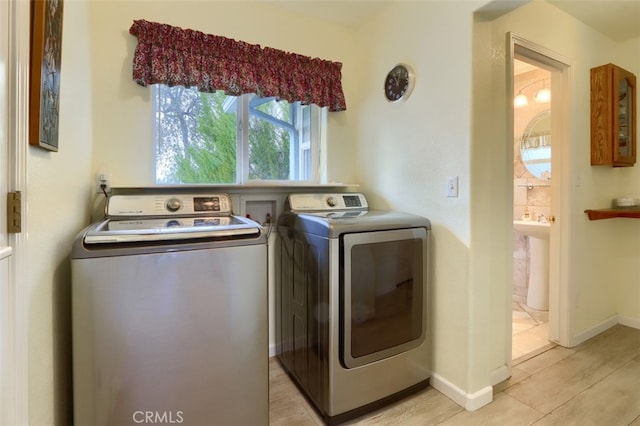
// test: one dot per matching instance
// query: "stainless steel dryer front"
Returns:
(351, 302)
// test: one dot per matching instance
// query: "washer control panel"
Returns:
(327, 202)
(167, 205)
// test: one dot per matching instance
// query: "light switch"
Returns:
(452, 186)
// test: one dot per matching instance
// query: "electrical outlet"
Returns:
(262, 211)
(103, 179)
(452, 186)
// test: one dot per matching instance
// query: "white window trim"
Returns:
(317, 166)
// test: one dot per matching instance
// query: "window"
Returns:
(215, 138)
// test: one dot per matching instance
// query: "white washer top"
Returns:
(169, 218)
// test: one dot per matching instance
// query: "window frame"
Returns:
(314, 143)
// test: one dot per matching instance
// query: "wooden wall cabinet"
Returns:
(613, 116)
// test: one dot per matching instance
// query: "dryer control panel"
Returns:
(327, 202)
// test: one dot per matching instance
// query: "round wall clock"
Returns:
(399, 83)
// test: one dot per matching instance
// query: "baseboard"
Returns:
(469, 401)
(595, 330)
(499, 375)
(272, 350)
(629, 322)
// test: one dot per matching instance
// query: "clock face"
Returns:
(399, 83)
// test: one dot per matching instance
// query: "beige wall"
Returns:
(405, 151)
(57, 204)
(400, 153)
(122, 136)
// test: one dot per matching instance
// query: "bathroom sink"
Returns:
(532, 229)
(538, 286)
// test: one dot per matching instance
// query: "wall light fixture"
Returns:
(542, 96)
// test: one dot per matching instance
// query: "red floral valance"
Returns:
(183, 57)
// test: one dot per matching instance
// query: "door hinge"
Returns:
(14, 212)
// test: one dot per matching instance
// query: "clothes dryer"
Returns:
(352, 302)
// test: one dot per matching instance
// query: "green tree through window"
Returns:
(211, 158)
(269, 132)
(198, 141)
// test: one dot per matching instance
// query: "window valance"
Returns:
(175, 56)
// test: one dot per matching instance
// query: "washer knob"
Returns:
(173, 204)
(331, 202)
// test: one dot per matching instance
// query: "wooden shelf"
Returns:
(629, 212)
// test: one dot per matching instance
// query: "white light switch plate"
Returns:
(452, 186)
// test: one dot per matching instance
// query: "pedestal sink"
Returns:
(538, 233)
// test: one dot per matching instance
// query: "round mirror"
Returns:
(535, 145)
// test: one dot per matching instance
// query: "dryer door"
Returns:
(384, 294)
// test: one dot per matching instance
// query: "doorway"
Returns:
(532, 178)
(539, 80)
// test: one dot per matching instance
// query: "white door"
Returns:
(5, 250)
(14, 96)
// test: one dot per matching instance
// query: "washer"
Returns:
(351, 302)
(169, 305)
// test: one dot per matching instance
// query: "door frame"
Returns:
(15, 358)
(560, 306)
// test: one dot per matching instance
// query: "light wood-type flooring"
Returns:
(595, 383)
(530, 331)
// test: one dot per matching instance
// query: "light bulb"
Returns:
(543, 96)
(520, 101)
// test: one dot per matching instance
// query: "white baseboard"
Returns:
(484, 396)
(469, 401)
(629, 322)
(272, 350)
(499, 375)
(595, 330)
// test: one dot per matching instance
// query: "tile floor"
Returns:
(595, 383)
(530, 331)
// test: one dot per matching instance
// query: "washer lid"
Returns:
(171, 229)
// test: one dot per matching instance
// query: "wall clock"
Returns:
(399, 83)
